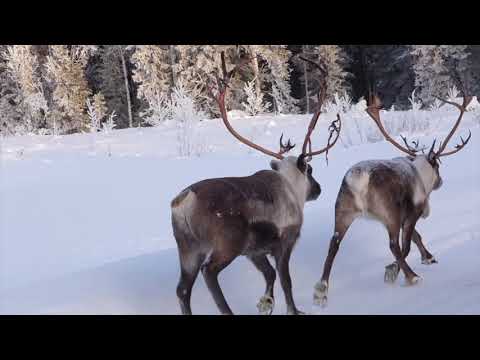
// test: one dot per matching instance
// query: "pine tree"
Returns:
(114, 82)
(11, 111)
(152, 71)
(66, 71)
(268, 65)
(335, 60)
(197, 66)
(96, 110)
(152, 74)
(254, 103)
(277, 77)
(438, 68)
(475, 70)
(22, 66)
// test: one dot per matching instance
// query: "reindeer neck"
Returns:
(425, 172)
(297, 188)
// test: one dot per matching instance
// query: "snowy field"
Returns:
(85, 221)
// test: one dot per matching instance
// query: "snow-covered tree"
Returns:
(96, 110)
(158, 111)
(197, 65)
(152, 71)
(385, 69)
(185, 112)
(439, 67)
(268, 64)
(22, 66)
(152, 74)
(66, 71)
(11, 109)
(114, 82)
(109, 125)
(278, 77)
(475, 70)
(254, 103)
(335, 60)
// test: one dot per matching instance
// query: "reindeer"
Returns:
(395, 192)
(216, 220)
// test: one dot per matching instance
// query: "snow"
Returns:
(85, 222)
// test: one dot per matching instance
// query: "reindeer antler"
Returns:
(335, 126)
(414, 142)
(374, 111)
(441, 151)
(222, 84)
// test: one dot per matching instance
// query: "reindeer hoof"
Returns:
(265, 305)
(414, 280)
(429, 261)
(295, 312)
(320, 293)
(391, 272)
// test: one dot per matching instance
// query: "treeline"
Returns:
(64, 89)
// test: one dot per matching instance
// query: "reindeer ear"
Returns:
(275, 165)
(301, 163)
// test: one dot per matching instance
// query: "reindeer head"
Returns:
(427, 164)
(299, 174)
(296, 170)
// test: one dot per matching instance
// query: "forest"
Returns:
(64, 89)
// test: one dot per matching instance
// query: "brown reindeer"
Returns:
(396, 193)
(216, 220)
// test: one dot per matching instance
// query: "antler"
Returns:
(414, 142)
(458, 147)
(374, 111)
(220, 99)
(284, 148)
(313, 122)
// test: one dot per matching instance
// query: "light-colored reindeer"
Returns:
(396, 193)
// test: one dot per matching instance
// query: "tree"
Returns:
(11, 111)
(114, 82)
(268, 65)
(152, 71)
(438, 68)
(197, 65)
(65, 70)
(475, 70)
(254, 103)
(152, 74)
(22, 67)
(277, 77)
(335, 60)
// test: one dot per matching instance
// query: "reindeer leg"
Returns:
(393, 232)
(282, 259)
(267, 302)
(216, 262)
(190, 267)
(392, 270)
(342, 223)
(427, 258)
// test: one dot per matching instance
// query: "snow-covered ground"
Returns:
(85, 221)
